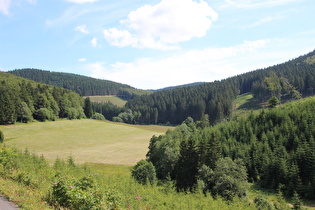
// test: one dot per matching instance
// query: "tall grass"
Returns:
(29, 181)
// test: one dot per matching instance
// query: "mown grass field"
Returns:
(105, 99)
(85, 140)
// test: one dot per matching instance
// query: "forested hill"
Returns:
(289, 80)
(85, 86)
(22, 100)
(178, 86)
(276, 146)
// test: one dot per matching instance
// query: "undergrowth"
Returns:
(29, 181)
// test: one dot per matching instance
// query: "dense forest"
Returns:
(274, 147)
(24, 100)
(290, 80)
(85, 86)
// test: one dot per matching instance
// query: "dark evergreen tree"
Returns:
(88, 111)
(186, 169)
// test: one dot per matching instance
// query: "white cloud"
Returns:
(4, 6)
(82, 60)
(94, 42)
(192, 66)
(82, 29)
(164, 25)
(82, 1)
(250, 4)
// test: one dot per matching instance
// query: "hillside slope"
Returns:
(22, 100)
(286, 81)
(277, 146)
(85, 86)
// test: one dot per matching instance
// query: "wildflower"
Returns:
(71, 186)
(55, 183)
(138, 197)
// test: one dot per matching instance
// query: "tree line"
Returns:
(275, 147)
(24, 100)
(289, 80)
(85, 86)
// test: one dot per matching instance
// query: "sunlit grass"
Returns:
(84, 140)
(105, 99)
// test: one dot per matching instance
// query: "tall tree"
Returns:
(88, 110)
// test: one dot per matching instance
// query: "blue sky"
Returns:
(152, 44)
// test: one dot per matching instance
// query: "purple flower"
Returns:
(71, 186)
(55, 183)
(138, 197)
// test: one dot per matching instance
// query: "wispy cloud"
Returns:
(4, 6)
(71, 14)
(164, 25)
(82, 59)
(82, 29)
(265, 20)
(193, 66)
(250, 4)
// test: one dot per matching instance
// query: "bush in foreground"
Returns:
(144, 172)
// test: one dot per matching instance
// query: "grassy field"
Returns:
(84, 140)
(105, 99)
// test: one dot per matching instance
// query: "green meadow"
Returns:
(105, 99)
(84, 140)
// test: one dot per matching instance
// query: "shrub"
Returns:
(7, 156)
(229, 179)
(75, 194)
(44, 114)
(98, 116)
(262, 203)
(73, 114)
(144, 172)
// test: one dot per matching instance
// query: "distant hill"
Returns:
(177, 86)
(85, 86)
(286, 81)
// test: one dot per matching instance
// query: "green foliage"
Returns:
(7, 163)
(109, 110)
(44, 114)
(32, 182)
(130, 93)
(88, 111)
(24, 113)
(75, 194)
(144, 172)
(131, 117)
(98, 116)
(186, 168)
(8, 104)
(1, 137)
(273, 102)
(229, 179)
(22, 99)
(287, 81)
(262, 203)
(85, 86)
(296, 200)
(276, 145)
